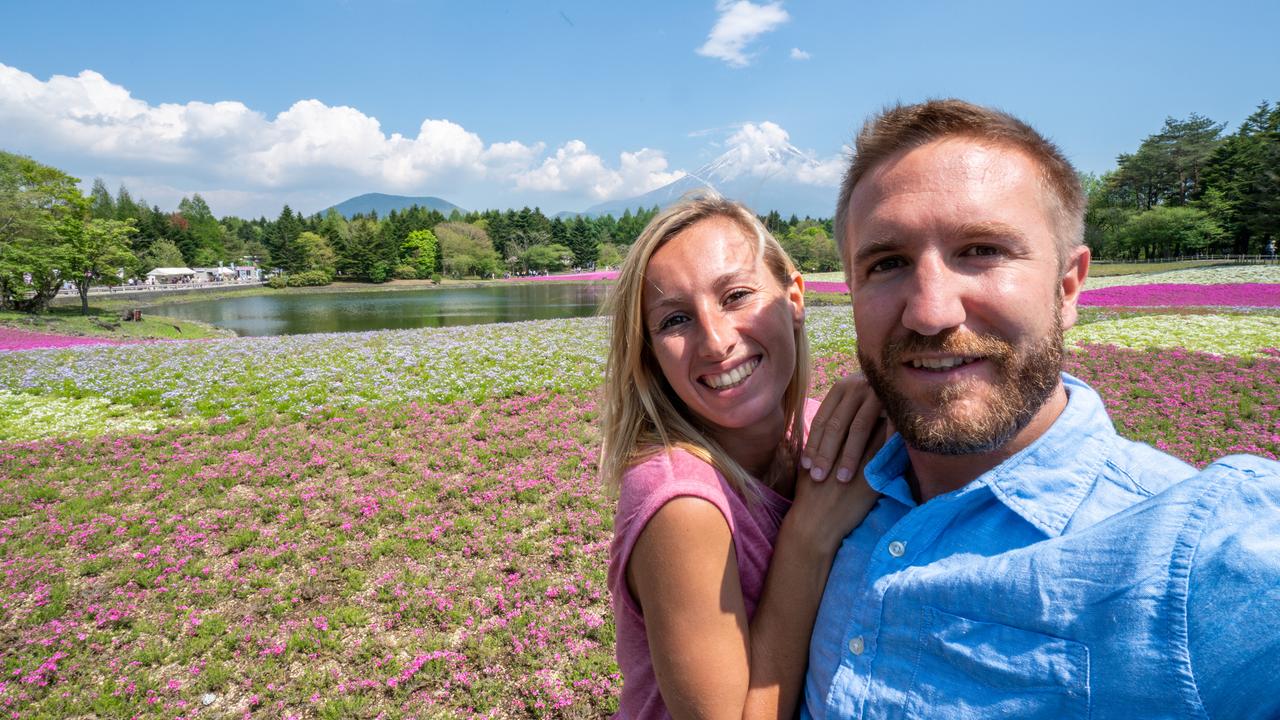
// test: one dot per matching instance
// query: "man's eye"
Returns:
(981, 251)
(892, 263)
(735, 295)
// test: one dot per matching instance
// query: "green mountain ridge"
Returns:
(383, 204)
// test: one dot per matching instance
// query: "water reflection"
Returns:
(291, 314)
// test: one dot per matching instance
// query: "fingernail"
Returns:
(805, 462)
(844, 474)
(817, 473)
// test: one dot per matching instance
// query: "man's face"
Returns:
(958, 297)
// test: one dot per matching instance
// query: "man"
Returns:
(1025, 561)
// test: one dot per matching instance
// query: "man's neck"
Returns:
(931, 475)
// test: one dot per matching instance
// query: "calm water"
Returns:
(359, 311)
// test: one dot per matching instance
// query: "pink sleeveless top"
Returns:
(645, 488)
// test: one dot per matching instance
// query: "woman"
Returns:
(704, 417)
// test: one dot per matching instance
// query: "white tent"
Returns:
(171, 275)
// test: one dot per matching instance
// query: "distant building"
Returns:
(245, 273)
(215, 274)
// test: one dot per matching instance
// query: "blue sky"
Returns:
(569, 104)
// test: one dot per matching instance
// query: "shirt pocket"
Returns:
(972, 669)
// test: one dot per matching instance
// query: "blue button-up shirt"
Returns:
(1085, 577)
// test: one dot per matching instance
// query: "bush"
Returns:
(405, 272)
(309, 278)
(277, 282)
(436, 278)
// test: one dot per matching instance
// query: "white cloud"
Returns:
(311, 150)
(765, 150)
(798, 54)
(740, 22)
(576, 169)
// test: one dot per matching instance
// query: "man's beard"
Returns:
(1025, 378)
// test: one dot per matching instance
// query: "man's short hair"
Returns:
(903, 127)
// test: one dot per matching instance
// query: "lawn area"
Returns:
(102, 322)
(403, 523)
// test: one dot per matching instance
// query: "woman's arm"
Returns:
(710, 661)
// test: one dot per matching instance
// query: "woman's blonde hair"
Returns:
(642, 415)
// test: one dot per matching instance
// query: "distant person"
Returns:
(720, 553)
(1025, 561)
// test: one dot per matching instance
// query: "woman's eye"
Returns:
(737, 295)
(671, 321)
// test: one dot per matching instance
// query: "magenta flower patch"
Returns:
(1168, 295)
(11, 339)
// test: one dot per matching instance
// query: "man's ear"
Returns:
(1075, 272)
(795, 294)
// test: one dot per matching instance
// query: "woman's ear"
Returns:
(795, 294)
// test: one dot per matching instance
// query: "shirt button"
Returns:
(856, 645)
(897, 548)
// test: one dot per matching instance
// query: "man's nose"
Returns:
(935, 303)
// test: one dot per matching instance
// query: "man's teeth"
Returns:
(942, 363)
(734, 376)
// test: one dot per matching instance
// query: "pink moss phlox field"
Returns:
(11, 339)
(446, 559)
(578, 277)
(406, 561)
(1169, 295)
(826, 287)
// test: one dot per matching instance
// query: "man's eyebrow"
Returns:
(876, 246)
(989, 229)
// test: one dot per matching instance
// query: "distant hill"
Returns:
(732, 178)
(384, 204)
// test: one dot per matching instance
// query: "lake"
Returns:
(294, 314)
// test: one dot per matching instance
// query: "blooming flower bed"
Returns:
(407, 560)
(1168, 295)
(401, 523)
(1241, 335)
(1227, 274)
(11, 339)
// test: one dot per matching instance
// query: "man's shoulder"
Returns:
(1231, 555)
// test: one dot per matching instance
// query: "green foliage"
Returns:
(547, 258)
(811, 248)
(419, 251)
(308, 278)
(1167, 231)
(162, 253)
(99, 253)
(609, 255)
(405, 272)
(41, 210)
(467, 251)
(277, 282)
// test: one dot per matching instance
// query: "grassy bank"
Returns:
(105, 322)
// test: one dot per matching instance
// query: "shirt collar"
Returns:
(1045, 482)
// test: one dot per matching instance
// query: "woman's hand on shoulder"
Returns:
(847, 430)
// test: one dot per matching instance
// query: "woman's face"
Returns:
(721, 326)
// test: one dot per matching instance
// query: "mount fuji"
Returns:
(761, 170)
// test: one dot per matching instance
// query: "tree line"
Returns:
(51, 234)
(1188, 189)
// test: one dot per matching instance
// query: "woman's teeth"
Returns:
(734, 376)
(942, 363)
